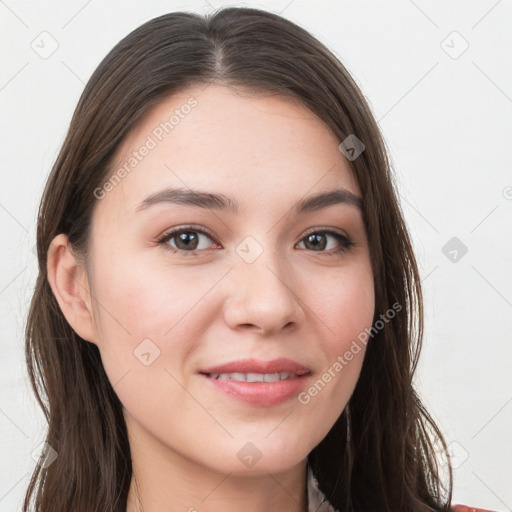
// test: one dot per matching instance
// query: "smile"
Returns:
(254, 377)
(258, 389)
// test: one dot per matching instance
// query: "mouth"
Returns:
(251, 367)
(255, 377)
(259, 383)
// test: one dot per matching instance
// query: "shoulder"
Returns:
(464, 508)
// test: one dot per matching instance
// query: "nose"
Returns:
(262, 297)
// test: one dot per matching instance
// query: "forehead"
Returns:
(257, 147)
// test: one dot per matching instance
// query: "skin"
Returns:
(294, 301)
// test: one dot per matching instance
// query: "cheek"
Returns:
(138, 299)
(346, 311)
(348, 305)
(150, 318)
(148, 327)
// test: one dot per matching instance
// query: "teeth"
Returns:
(253, 377)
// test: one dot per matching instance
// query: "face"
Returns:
(259, 279)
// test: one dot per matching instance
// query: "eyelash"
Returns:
(344, 241)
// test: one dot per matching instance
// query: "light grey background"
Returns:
(445, 112)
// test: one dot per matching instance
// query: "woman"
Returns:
(228, 312)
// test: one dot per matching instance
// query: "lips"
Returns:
(246, 366)
(257, 382)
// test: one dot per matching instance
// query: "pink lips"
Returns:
(264, 394)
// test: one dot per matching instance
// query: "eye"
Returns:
(318, 241)
(186, 239)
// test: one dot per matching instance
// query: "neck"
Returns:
(272, 493)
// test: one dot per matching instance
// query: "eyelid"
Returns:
(167, 235)
(328, 230)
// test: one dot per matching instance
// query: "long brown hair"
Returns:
(381, 452)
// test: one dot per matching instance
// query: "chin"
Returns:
(259, 457)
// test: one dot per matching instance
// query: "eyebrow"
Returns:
(221, 202)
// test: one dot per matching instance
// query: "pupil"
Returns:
(317, 241)
(187, 240)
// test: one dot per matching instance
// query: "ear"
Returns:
(70, 285)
